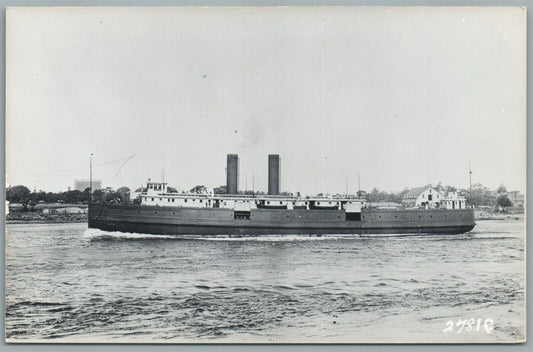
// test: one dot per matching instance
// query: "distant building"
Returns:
(516, 198)
(422, 196)
(82, 185)
(453, 200)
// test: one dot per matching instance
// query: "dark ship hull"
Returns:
(181, 221)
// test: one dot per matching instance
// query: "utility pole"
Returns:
(470, 177)
(91, 178)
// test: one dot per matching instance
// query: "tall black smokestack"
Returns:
(273, 174)
(232, 174)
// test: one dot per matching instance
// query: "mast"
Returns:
(346, 187)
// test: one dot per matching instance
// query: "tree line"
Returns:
(22, 194)
(478, 196)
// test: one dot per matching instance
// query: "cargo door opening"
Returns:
(241, 215)
(353, 216)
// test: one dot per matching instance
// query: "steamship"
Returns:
(155, 210)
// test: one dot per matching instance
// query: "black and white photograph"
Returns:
(271, 175)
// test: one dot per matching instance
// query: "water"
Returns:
(66, 283)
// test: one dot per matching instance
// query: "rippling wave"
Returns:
(69, 283)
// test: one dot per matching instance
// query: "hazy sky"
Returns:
(403, 96)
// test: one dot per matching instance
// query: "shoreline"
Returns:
(44, 222)
(79, 221)
(29, 217)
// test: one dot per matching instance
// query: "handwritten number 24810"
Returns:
(468, 325)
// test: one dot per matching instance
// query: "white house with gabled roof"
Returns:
(423, 197)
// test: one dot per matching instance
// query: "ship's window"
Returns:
(152, 199)
(161, 199)
(200, 201)
(185, 200)
(173, 213)
(172, 199)
(155, 212)
(318, 203)
(268, 202)
(280, 202)
(168, 200)
(224, 203)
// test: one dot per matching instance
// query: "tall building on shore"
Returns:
(82, 185)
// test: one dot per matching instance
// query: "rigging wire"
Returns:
(124, 161)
